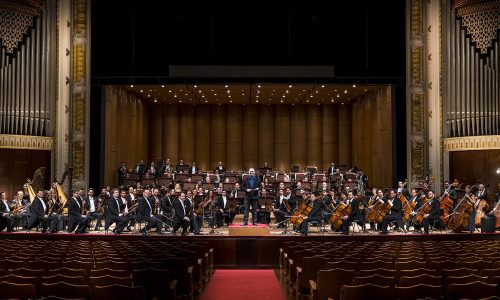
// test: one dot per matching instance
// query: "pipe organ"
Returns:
(472, 107)
(27, 77)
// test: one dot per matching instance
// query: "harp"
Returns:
(36, 183)
(58, 185)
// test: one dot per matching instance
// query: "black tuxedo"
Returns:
(220, 169)
(331, 171)
(94, 214)
(314, 215)
(113, 215)
(251, 198)
(179, 216)
(434, 214)
(196, 169)
(226, 211)
(144, 212)
(394, 214)
(38, 213)
(75, 216)
(354, 216)
(6, 221)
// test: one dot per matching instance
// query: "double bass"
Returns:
(481, 208)
(460, 216)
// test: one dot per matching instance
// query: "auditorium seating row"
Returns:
(393, 269)
(135, 269)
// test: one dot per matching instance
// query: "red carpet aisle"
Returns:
(242, 285)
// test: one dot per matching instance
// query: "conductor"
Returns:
(251, 186)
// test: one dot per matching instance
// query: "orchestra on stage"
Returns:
(161, 198)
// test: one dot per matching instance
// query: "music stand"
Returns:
(264, 203)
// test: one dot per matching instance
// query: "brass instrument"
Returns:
(84, 207)
(17, 209)
(133, 208)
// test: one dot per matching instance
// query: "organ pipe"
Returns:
(473, 80)
(25, 81)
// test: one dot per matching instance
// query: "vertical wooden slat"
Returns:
(299, 136)
(202, 137)
(314, 135)
(266, 135)
(186, 133)
(234, 142)
(171, 133)
(250, 136)
(218, 136)
(282, 138)
(344, 127)
(156, 132)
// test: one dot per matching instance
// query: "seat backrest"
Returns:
(67, 271)
(310, 268)
(77, 280)
(419, 271)
(18, 291)
(471, 290)
(374, 279)
(330, 281)
(490, 272)
(419, 291)
(379, 271)
(118, 292)
(36, 281)
(366, 291)
(111, 272)
(464, 279)
(65, 290)
(26, 272)
(109, 280)
(406, 281)
(458, 272)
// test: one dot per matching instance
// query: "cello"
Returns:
(340, 212)
(460, 216)
(481, 209)
(301, 212)
(446, 204)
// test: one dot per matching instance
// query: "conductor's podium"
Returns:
(249, 230)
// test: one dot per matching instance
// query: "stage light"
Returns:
(498, 170)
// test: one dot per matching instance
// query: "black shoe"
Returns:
(184, 233)
(244, 224)
(160, 233)
(426, 232)
(254, 224)
(197, 233)
(303, 234)
(144, 231)
(383, 232)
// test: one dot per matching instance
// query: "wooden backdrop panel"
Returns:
(245, 136)
(18, 164)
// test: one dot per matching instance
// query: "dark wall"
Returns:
(477, 166)
(360, 38)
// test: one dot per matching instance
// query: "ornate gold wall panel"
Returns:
(486, 142)
(80, 91)
(26, 142)
(416, 90)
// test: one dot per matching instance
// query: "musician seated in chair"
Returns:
(92, 206)
(225, 212)
(167, 208)
(434, 215)
(314, 215)
(114, 213)
(6, 221)
(417, 200)
(281, 208)
(39, 212)
(355, 214)
(77, 214)
(145, 212)
(22, 216)
(395, 213)
(56, 218)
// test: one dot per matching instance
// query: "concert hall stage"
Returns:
(251, 251)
